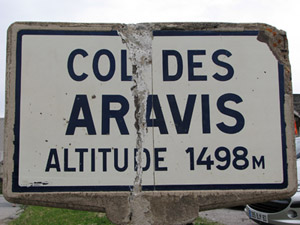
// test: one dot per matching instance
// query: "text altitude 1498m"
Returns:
(223, 157)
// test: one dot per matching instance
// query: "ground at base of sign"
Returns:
(228, 216)
(39, 215)
(8, 211)
(45, 215)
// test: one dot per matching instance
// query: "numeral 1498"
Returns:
(223, 158)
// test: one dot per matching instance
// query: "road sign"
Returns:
(110, 108)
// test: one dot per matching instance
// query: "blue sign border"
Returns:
(15, 184)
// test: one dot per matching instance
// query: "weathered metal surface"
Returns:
(138, 205)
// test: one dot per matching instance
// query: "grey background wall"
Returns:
(1, 138)
(1, 146)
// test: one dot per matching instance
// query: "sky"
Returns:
(284, 15)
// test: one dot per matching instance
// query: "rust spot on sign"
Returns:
(270, 30)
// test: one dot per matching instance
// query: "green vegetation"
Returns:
(204, 221)
(36, 215)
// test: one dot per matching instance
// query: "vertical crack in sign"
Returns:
(138, 39)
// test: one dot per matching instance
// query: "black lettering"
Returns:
(107, 113)
(104, 157)
(81, 159)
(124, 75)
(225, 65)
(182, 125)
(147, 164)
(55, 164)
(81, 103)
(116, 160)
(112, 65)
(158, 159)
(159, 122)
(93, 160)
(166, 75)
(192, 64)
(66, 162)
(205, 114)
(71, 58)
(240, 121)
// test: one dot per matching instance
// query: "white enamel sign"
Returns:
(215, 117)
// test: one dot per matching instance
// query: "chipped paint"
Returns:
(38, 184)
(277, 42)
(138, 39)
